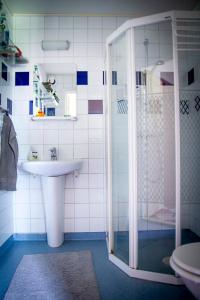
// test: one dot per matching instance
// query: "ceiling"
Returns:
(133, 8)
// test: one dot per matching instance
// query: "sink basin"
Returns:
(51, 168)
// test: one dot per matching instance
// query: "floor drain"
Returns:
(165, 260)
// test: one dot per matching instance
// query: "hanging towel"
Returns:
(9, 156)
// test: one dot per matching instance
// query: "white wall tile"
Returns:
(69, 181)
(65, 152)
(94, 22)
(97, 210)
(36, 196)
(22, 36)
(82, 225)
(69, 225)
(81, 136)
(95, 50)
(84, 168)
(22, 196)
(96, 181)
(69, 210)
(37, 226)
(81, 182)
(96, 195)
(80, 22)
(82, 107)
(37, 22)
(22, 22)
(96, 166)
(37, 210)
(51, 22)
(22, 211)
(81, 196)
(97, 224)
(50, 137)
(36, 35)
(80, 49)
(96, 151)
(94, 36)
(96, 136)
(96, 121)
(80, 36)
(81, 210)
(65, 137)
(66, 22)
(110, 22)
(69, 195)
(66, 34)
(36, 137)
(22, 226)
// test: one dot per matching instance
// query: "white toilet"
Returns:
(185, 261)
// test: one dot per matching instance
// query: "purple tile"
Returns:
(95, 106)
(167, 78)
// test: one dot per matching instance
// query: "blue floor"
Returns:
(153, 245)
(113, 283)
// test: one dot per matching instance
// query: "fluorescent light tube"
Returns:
(54, 45)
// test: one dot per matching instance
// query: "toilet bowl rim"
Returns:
(183, 272)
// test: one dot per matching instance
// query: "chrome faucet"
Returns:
(53, 153)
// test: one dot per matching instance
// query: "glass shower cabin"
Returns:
(153, 116)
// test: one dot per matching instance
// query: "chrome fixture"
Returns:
(53, 153)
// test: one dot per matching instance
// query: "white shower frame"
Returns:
(128, 29)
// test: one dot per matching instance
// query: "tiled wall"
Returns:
(6, 198)
(85, 207)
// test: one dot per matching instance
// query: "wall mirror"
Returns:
(54, 88)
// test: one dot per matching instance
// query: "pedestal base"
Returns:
(54, 195)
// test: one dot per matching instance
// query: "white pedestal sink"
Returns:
(53, 186)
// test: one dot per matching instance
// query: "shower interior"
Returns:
(164, 56)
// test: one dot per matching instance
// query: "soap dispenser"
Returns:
(33, 155)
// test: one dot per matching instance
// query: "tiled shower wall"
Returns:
(85, 207)
(6, 198)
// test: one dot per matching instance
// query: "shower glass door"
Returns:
(155, 110)
(119, 148)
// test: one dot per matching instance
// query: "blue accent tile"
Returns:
(67, 236)
(21, 78)
(85, 236)
(114, 77)
(4, 71)
(29, 237)
(30, 107)
(9, 106)
(51, 111)
(82, 78)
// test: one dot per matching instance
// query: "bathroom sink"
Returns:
(51, 168)
(53, 177)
